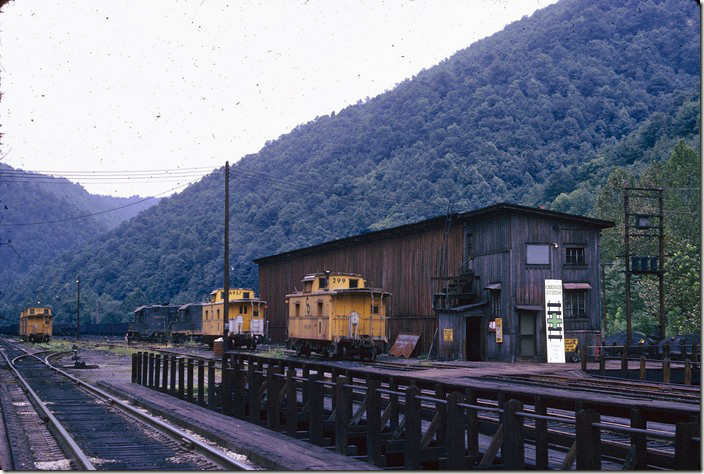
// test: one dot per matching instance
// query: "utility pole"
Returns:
(78, 308)
(226, 285)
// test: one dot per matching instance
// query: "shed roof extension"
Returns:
(432, 223)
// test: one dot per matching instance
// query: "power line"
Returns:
(94, 213)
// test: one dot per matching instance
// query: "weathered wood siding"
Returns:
(492, 253)
(528, 287)
(402, 265)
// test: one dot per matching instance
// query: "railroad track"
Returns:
(98, 431)
(636, 389)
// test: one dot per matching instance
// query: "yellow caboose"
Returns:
(246, 317)
(336, 314)
(35, 324)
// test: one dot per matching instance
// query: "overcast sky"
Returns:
(100, 86)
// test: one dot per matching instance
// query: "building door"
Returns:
(473, 339)
(528, 334)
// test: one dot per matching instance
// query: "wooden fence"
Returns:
(398, 421)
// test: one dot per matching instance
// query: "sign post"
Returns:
(554, 321)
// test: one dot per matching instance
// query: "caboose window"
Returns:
(298, 309)
(255, 313)
(353, 282)
(245, 295)
(46, 311)
(31, 311)
(244, 310)
(320, 310)
(322, 282)
(375, 309)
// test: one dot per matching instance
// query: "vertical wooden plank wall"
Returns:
(402, 265)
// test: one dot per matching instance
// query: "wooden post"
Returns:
(602, 360)
(253, 381)
(583, 356)
(137, 368)
(157, 371)
(666, 369)
(189, 381)
(624, 361)
(455, 432)
(173, 376)
(237, 388)
(639, 441)
(413, 429)
(393, 402)
(642, 367)
(513, 449)
(291, 403)
(306, 373)
(181, 378)
(687, 454)
(145, 367)
(165, 375)
(588, 440)
(374, 423)
(441, 409)
(150, 382)
(211, 384)
(315, 408)
(472, 421)
(687, 372)
(343, 412)
(541, 436)
(272, 398)
(201, 383)
(226, 389)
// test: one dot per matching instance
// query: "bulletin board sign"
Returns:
(447, 335)
(498, 322)
(554, 321)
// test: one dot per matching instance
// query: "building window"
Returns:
(575, 304)
(353, 283)
(574, 256)
(538, 254)
(495, 301)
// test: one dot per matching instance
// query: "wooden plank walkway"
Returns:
(267, 448)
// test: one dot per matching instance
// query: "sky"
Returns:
(104, 92)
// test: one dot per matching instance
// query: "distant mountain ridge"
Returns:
(537, 114)
(29, 198)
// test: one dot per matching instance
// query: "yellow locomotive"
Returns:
(335, 314)
(35, 324)
(246, 317)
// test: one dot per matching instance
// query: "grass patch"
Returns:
(275, 353)
(54, 346)
(124, 351)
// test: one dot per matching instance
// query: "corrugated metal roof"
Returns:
(576, 286)
(433, 223)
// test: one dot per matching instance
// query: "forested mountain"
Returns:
(27, 198)
(537, 114)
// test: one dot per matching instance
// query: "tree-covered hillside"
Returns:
(526, 115)
(30, 198)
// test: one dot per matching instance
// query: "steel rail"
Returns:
(217, 456)
(64, 438)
